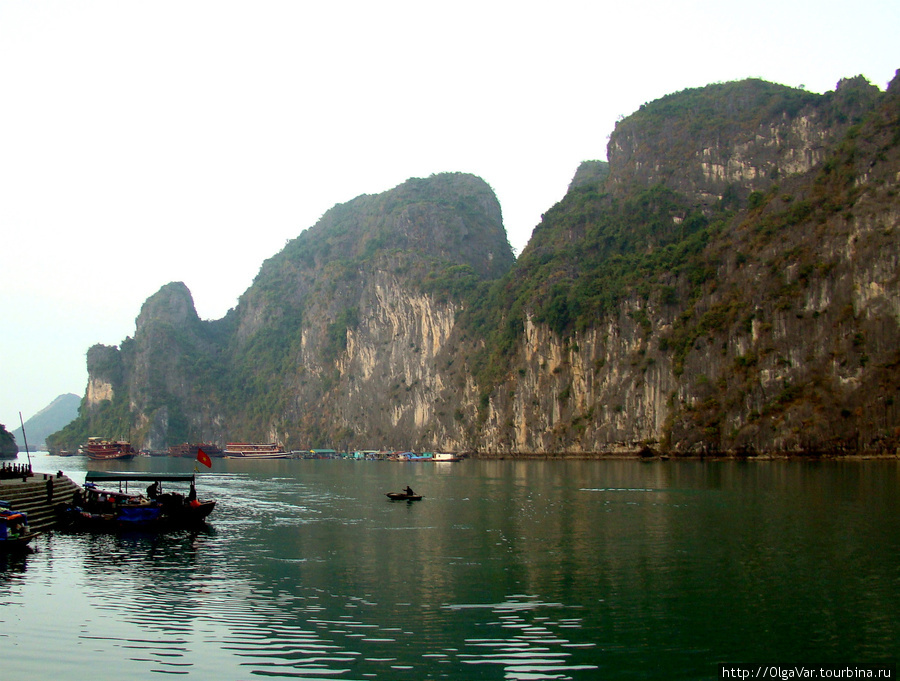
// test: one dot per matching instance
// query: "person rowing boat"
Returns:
(405, 495)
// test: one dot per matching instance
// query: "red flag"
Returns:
(203, 458)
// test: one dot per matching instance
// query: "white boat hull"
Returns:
(257, 455)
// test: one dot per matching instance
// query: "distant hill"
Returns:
(55, 416)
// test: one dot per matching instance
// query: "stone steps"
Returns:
(32, 498)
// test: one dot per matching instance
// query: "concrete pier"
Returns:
(33, 496)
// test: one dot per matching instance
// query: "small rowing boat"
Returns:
(403, 496)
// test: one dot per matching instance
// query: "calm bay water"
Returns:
(506, 570)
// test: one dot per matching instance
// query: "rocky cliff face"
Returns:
(733, 138)
(152, 389)
(776, 334)
(727, 283)
(105, 378)
(366, 313)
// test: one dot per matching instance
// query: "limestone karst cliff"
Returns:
(715, 293)
(726, 283)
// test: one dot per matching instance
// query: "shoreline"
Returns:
(645, 454)
(723, 456)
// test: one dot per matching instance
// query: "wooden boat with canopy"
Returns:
(146, 504)
(14, 531)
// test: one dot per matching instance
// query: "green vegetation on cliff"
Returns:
(672, 125)
(111, 419)
(8, 445)
(441, 236)
(591, 251)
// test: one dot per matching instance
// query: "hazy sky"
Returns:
(143, 142)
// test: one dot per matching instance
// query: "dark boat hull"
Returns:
(138, 518)
(202, 511)
(403, 496)
(179, 513)
(17, 543)
(165, 515)
(98, 509)
(110, 457)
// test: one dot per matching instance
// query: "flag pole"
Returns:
(25, 438)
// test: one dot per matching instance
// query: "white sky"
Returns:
(149, 141)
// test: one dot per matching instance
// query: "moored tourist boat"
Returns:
(249, 450)
(101, 508)
(98, 449)
(177, 507)
(446, 456)
(14, 531)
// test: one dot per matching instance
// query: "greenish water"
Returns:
(506, 570)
